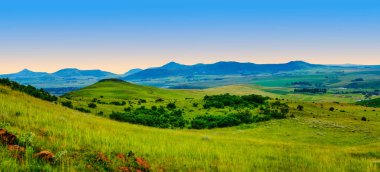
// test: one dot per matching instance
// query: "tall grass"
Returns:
(280, 145)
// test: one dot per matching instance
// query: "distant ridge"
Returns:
(77, 78)
(70, 72)
(132, 71)
(219, 68)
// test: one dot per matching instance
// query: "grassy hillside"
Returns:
(317, 139)
(113, 88)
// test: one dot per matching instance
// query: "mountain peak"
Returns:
(298, 62)
(25, 71)
(173, 65)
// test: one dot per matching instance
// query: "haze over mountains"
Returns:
(162, 76)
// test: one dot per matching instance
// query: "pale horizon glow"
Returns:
(116, 36)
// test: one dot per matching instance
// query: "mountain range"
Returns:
(76, 78)
(219, 68)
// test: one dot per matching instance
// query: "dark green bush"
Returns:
(171, 105)
(92, 105)
(68, 104)
(155, 117)
(223, 100)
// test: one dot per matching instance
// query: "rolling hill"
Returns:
(116, 88)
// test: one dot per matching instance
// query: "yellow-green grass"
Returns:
(332, 141)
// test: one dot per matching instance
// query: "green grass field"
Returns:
(316, 139)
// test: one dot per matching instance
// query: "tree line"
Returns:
(30, 90)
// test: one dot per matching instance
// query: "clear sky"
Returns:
(119, 35)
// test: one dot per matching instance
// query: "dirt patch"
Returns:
(16, 148)
(144, 165)
(7, 138)
(103, 158)
(121, 157)
(45, 155)
(124, 169)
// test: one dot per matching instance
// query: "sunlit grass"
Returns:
(324, 143)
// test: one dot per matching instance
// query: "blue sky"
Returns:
(119, 35)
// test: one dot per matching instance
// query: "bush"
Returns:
(300, 107)
(364, 118)
(68, 104)
(83, 110)
(171, 106)
(92, 105)
(122, 103)
(211, 121)
(155, 117)
(332, 109)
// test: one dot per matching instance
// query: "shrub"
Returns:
(159, 100)
(211, 121)
(83, 110)
(116, 103)
(155, 117)
(332, 109)
(68, 104)
(300, 107)
(364, 118)
(171, 106)
(92, 105)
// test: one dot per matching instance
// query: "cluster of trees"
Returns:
(223, 100)
(213, 121)
(155, 117)
(310, 90)
(370, 103)
(276, 110)
(38, 93)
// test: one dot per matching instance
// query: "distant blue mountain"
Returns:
(59, 82)
(69, 77)
(24, 74)
(132, 71)
(72, 72)
(219, 68)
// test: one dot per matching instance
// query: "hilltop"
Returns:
(116, 88)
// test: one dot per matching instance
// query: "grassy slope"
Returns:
(125, 90)
(332, 141)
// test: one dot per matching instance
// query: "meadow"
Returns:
(315, 138)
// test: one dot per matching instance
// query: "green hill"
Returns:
(317, 139)
(114, 88)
